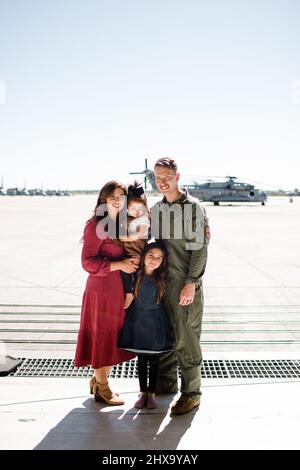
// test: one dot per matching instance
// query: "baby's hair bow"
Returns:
(135, 189)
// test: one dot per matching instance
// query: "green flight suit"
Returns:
(187, 257)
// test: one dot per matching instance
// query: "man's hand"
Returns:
(207, 232)
(187, 294)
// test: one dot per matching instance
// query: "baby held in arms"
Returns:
(138, 224)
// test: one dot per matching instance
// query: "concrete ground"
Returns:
(252, 308)
(234, 414)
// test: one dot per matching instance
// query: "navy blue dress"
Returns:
(147, 327)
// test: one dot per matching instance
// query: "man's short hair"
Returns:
(166, 162)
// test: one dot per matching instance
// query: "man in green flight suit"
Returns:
(181, 222)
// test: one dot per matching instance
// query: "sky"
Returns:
(89, 89)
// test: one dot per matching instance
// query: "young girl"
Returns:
(138, 224)
(146, 330)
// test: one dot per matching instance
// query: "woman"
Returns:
(102, 314)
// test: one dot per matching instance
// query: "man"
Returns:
(187, 250)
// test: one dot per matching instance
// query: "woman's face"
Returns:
(116, 201)
(153, 259)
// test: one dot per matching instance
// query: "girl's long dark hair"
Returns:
(159, 274)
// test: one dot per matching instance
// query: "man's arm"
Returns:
(198, 260)
(198, 244)
(197, 265)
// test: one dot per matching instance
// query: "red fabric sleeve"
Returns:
(91, 259)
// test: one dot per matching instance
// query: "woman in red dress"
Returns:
(102, 314)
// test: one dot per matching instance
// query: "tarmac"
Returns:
(252, 308)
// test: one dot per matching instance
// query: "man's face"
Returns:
(166, 179)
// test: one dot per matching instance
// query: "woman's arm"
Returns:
(93, 262)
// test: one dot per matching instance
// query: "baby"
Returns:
(138, 224)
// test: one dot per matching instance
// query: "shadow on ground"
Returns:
(97, 426)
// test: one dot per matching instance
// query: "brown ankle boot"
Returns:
(102, 392)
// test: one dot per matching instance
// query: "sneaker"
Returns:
(140, 403)
(167, 388)
(151, 402)
(185, 404)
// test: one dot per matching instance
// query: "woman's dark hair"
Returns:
(159, 274)
(104, 193)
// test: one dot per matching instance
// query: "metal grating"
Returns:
(211, 369)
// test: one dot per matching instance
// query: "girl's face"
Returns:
(116, 201)
(153, 259)
(136, 209)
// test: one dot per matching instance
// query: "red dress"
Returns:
(102, 313)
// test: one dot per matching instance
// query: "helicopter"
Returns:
(228, 190)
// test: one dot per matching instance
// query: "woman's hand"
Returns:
(129, 265)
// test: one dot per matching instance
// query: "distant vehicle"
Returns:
(22, 192)
(2, 190)
(296, 192)
(12, 191)
(229, 190)
(31, 192)
(51, 192)
(37, 192)
(17, 192)
(57, 192)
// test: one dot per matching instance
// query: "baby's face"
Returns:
(136, 209)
